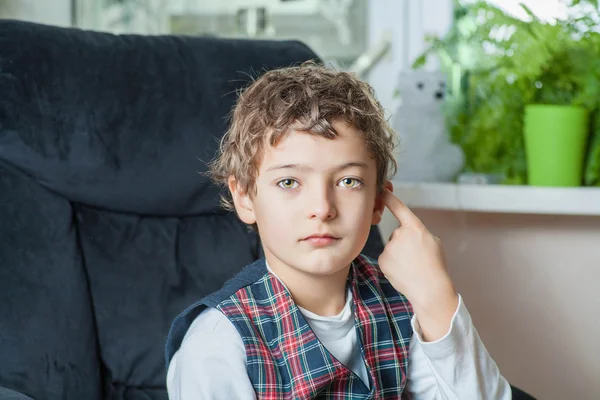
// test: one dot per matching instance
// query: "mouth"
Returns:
(321, 239)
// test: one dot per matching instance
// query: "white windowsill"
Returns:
(500, 198)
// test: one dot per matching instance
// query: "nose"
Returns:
(322, 204)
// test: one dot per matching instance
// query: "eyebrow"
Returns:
(308, 168)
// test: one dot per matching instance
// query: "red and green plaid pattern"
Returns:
(285, 360)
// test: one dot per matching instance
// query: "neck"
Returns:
(324, 295)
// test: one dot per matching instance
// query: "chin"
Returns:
(325, 271)
(327, 264)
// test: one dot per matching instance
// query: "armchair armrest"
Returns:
(8, 394)
(518, 394)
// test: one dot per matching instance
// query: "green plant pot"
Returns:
(555, 142)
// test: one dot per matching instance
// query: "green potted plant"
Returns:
(518, 80)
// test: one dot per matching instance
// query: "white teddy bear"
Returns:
(425, 153)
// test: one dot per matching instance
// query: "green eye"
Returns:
(350, 182)
(288, 184)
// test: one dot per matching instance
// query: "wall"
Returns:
(530, 283)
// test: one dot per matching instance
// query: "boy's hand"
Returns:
(413, 262)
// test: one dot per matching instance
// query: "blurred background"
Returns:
(494, 62)
(496, 106)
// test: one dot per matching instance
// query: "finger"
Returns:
(402, 213)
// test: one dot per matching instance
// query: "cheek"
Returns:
(272, 217)
(359, 205)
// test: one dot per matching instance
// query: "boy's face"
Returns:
(315, 201)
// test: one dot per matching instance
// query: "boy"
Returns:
(306, 162)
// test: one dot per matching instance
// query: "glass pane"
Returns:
(547, 10)
(334, 29)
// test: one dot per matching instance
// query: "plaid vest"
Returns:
(284, 358)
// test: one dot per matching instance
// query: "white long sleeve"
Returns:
(211, 362)
(457, 366)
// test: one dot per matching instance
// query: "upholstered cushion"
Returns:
(145, 270)
(8, 394)
(48, 346)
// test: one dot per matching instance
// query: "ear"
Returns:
(242, 202)
(379, 205)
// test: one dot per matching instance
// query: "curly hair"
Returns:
(306, 98)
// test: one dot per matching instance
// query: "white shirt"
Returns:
(211, 362)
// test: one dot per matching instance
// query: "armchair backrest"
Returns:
(107, 229)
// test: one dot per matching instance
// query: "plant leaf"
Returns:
(529, 12)
(420, 61)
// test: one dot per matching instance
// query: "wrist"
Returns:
(435, 315)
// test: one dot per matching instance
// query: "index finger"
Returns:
(400, 210)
